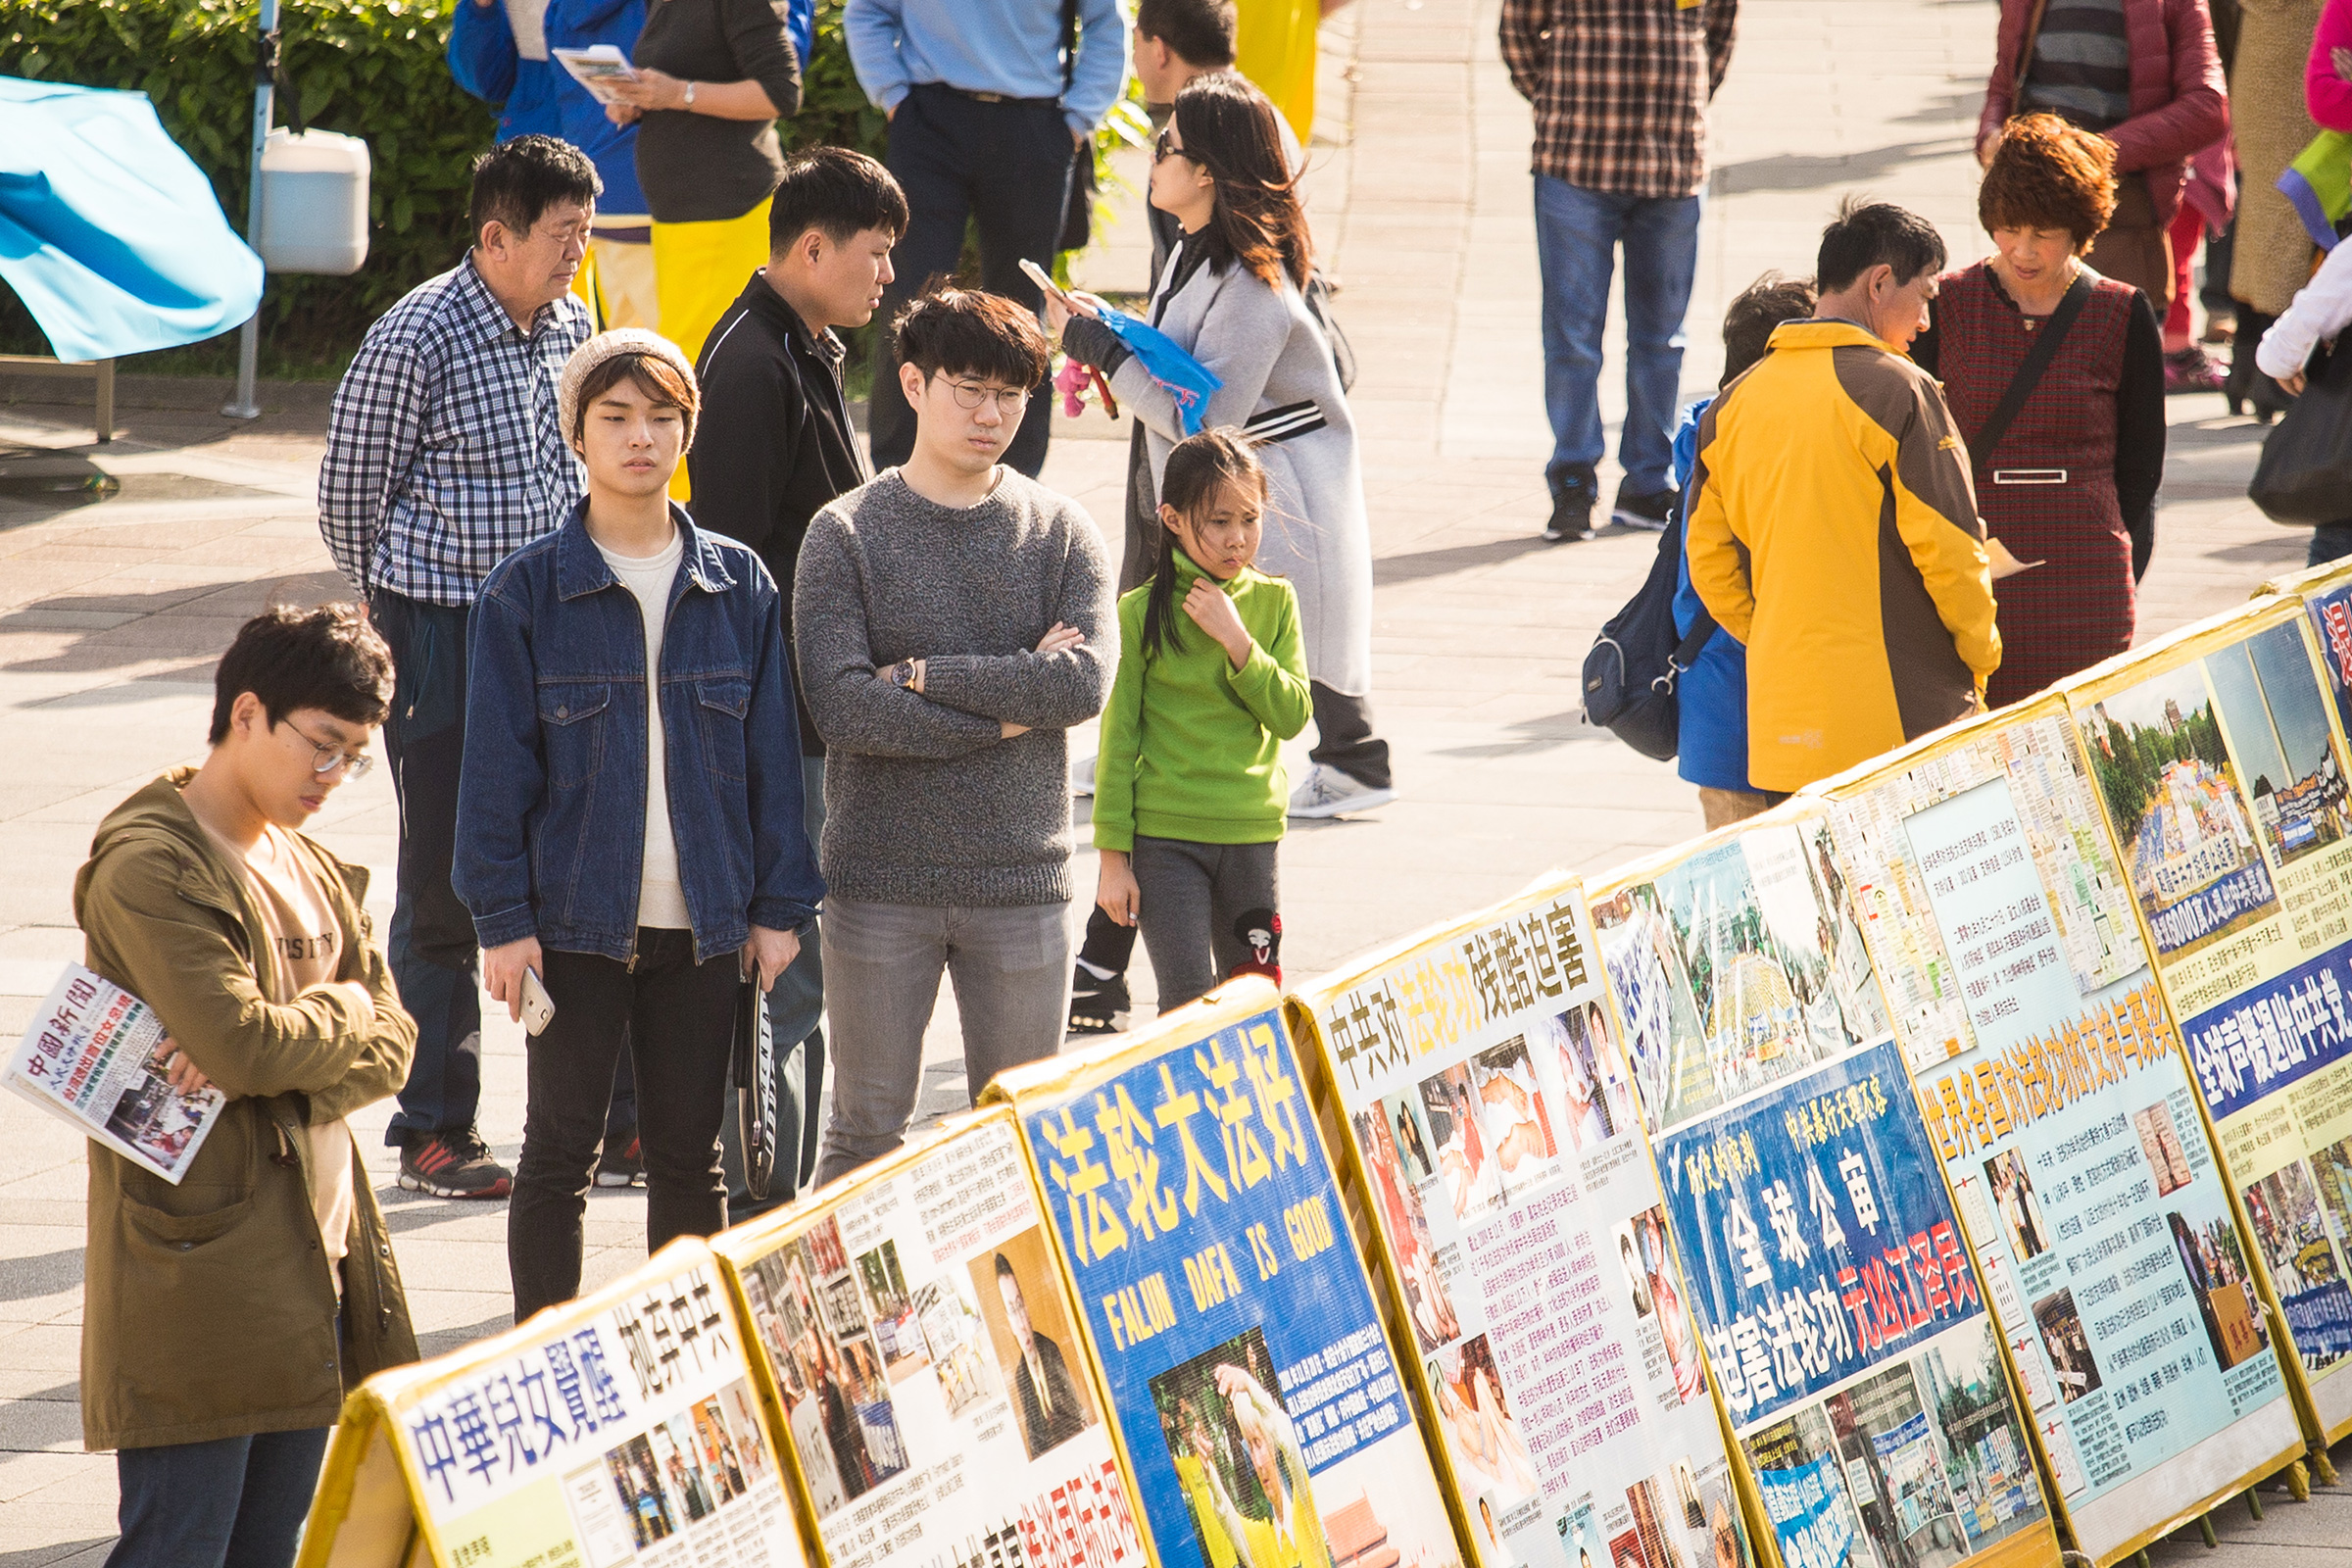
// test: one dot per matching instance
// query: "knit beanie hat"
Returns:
(611, 345)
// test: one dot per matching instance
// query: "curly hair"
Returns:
(2046, 174)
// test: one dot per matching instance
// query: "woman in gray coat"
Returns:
(1230, 296)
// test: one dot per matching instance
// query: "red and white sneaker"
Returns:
(453, 1166)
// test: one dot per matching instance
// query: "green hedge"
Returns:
(371, 68)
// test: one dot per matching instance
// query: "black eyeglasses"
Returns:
(1165, 146)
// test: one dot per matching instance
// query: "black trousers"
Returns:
(678, 1018)
(1005, 166)
(1345, 738)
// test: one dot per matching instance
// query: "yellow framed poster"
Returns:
(1491, 1132)
(1846, 1326)
(2223, 779)
(1252, 1387)
(2053, 1087)
(621, 1428)
(918, 1344)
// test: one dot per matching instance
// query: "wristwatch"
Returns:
(901, 674)
(690, 86)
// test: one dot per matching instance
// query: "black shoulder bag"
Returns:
(2305, 474)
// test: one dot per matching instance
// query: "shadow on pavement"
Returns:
(45, 1275)
(1794, 172)
(62, 1554)
(1389, 571)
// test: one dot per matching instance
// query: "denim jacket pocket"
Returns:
(720, 709)
(572, 718)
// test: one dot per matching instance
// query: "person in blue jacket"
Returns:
(498, 51)
(1712, 694)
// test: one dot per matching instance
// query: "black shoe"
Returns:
(1646, 512)
(453, 1166)
(1571, 518)
(1097, 1007)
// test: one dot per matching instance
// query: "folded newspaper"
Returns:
(596, 67)
(94, 1058)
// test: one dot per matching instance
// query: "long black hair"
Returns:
(1231, 130)
(1199, 467)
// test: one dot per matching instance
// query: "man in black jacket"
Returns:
(773, 445)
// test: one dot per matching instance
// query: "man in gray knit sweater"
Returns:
(951, 619)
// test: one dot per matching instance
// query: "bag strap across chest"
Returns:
(2046, 343)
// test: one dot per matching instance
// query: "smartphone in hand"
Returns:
(538, 1008)
(1045, 280)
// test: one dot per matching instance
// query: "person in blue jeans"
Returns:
(630, 816)
(1712, 694)
(1620, 91)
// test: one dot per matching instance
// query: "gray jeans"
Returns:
(1200, 905)
(1011, 971)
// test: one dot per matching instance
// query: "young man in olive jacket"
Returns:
(225, 1317)
(773, 445)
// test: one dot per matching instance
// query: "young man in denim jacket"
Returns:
(639, 870)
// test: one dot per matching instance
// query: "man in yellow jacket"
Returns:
(1832, 526)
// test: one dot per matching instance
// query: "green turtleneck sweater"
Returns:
(1192, 747)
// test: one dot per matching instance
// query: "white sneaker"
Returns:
(1082, 776)
(1327, 792)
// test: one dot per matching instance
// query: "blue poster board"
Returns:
(1251, 1381)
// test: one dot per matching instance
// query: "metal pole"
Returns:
(249, 340)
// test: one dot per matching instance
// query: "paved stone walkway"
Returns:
(112, 613)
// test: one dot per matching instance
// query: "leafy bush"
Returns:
(375, 69)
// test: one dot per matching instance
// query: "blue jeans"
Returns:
(233, 1503)
(1577, 236)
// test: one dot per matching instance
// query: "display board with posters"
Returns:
(2325, 593)
(916, 1339)
(1492, 1133)
(2224, 782)
(622, 1428)
(1251, 1382)
(2058, 1102)
(1844, 1326)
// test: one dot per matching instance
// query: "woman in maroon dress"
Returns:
(2072, 481)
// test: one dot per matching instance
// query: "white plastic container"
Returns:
(314, 203)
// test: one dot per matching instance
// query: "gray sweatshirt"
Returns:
(924, 804)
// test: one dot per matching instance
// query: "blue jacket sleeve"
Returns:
(786, 888)
(503, 776)
(1102, 70)
(872, 29)
(481, 51)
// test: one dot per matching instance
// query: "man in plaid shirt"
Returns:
(444, 455)
(1620, 89)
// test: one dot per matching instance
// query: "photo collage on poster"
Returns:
(1823, 1262)
(922, 1348)
(1504, 1166)
(1234, 1322)
(2056, 1099)
(629, 1436)
(2224, 781)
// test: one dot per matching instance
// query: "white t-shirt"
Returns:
(298, 915)
(661, 900)
(528, 19)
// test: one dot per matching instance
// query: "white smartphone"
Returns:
(538, 1008)
(1044, 279)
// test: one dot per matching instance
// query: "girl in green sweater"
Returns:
(1190, 793)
